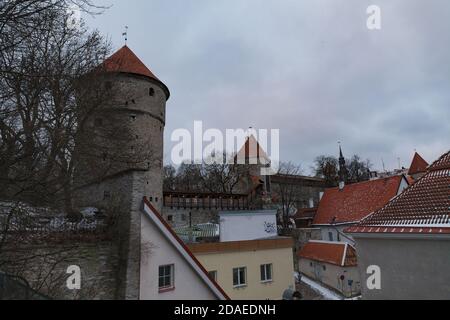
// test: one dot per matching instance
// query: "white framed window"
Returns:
(240, 277)
(213, 275)
(266, 273)
(330, 236)
(166, 278)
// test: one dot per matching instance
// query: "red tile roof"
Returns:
(418, 165)
(125, 61)
(423, 208)
(336, 253)
(356, 201)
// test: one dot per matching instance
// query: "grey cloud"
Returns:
(309, 68)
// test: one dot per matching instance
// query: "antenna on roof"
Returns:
(125, 34)
(384, 166)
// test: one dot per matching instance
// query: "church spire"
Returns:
(342, 169)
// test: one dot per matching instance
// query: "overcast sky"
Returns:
(309, 68)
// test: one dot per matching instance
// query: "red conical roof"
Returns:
(125, 61)
(419, 165)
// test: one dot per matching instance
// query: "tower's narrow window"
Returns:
(151, 92)
(98, 122)
(133, 101)
(106, 195)
(108, 85)
(133, 117)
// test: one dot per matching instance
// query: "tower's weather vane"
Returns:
(125, 34)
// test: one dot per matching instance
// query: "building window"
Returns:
(266, 273)
(106, 195)
(156, 199)
(239, 277)
(150, 199)
(213, 275)
(330, 236)
(311, 264)
(324, 268)
(183, 217)
(151, 92)
(133, 117)
(166, 277)
(170, 218)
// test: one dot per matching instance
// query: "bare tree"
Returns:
(289, 194)
(223, 177)
(211, 176)
(39, 107)
(358, 170)
(327, 167)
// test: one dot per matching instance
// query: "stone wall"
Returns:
(44, 266)
(183, 217)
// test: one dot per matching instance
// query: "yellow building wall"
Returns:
(224, 263)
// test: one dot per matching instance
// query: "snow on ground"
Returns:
(325, 292)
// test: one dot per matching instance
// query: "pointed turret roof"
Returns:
(252, 151)
(418, 165)
(126, 61)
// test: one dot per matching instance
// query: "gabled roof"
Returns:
(424, 208)
(336, 253)
(179, 245)
(125, 61)
(356, 201)
(418, 165)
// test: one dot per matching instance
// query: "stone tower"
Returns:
(122, 139)
(120, 152)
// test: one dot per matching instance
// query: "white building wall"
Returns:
(243, 226)
(330, 275)
(157, 251)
